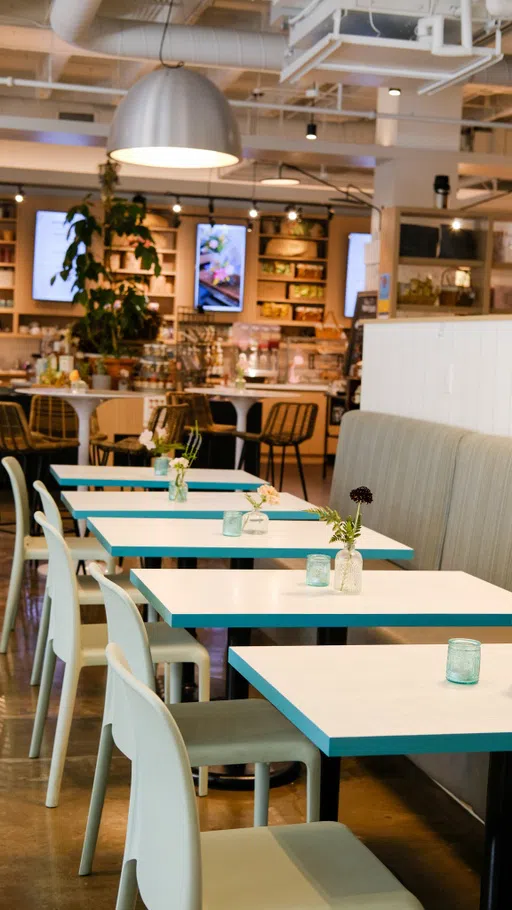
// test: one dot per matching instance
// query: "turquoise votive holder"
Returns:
(232, 524)
(463, 661)
(318, 570)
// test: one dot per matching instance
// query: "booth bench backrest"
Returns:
(479, 530)
(409, 465)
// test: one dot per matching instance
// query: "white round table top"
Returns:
(226, 392)
(90, 393)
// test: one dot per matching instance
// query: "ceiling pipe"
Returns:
(76, 22)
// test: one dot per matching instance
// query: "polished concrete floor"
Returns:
(428, 841)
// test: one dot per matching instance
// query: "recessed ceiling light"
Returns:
(394, 92)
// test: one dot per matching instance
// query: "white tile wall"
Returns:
(455, 372)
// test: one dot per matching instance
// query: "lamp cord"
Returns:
(162, 40)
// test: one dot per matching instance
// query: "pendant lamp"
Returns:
(175, 118)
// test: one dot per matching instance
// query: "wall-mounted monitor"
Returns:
(50, 244)
(220, 268)
(356, 270)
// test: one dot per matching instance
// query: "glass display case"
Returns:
(312, 360)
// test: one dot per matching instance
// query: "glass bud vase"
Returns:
(348, 571)
(161, 465)
(255, 522)
(178, 490)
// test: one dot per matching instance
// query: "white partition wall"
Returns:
(456, 371)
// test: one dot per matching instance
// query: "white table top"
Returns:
(72, 475)
(223, 391)
(204, 538)
(384, 699)
(276, 598)
(199, 504)
(90, 393)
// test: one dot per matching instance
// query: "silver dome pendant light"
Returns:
(174, 118)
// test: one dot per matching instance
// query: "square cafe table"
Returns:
(156, 504)
(395, 700)
(72, 475)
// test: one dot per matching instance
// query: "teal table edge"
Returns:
(374, 745)
(313, 620)
(155, 483)
(234, 552)
(98, 512)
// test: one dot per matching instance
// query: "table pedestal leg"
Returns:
(84, 408)
(242, 408)
(496, 887)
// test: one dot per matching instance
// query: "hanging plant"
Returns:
(116, 306)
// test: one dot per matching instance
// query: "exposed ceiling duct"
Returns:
(76, 22)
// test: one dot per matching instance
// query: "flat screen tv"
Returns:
(356, 270)
(220, 268)
(50, 244)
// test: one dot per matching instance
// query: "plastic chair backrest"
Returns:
(20, 494)
(163, 827)
(126, 629)
(50, 507)
(15, 435)
(64, 628)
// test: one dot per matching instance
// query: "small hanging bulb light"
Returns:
(253, 211)
(456, 224)
(291, 213)
(20, 195)
(311, 130)
(250, 227)
(177, 207)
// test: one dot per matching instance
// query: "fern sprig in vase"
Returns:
(348, 566)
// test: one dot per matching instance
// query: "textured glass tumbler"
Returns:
(161, 465)
(318, 570)
(463, 661)
(178, 491)
(232, 524)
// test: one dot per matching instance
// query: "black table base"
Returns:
(496, 887)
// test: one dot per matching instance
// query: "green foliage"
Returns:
(116, 306)
(345, 530)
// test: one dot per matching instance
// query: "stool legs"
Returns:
(301, 471)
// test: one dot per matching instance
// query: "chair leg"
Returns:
(127, 893)
(42, 635)
(60, 743)
(203, 674)
(261, 794)
(99, 789)
(313, 790)
(43, 700)
(13, 602)
(281, 476)
(172, 683)
(301, 471)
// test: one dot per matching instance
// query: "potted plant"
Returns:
(348, 565)
(100, 377)
(116, 306)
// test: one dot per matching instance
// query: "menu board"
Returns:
(366, 308)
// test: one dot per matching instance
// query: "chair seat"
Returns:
(317, 866)
(167, 645)
(61, 441)
(81, 548)
(90, 593)
(129, 444)
(238, 731)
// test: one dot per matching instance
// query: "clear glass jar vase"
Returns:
(178, 490)
(348, 571)
(255, 522)
(161, 465)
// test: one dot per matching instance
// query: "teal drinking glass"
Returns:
(232, 524)
(318, 570)
(463, 661)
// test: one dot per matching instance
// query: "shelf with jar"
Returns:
(434, 261)
(292, 268)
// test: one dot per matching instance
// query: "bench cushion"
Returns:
(409, 466)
